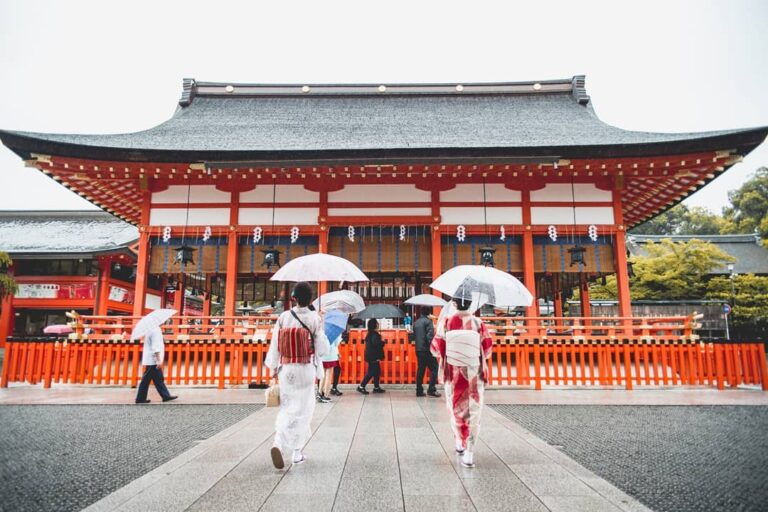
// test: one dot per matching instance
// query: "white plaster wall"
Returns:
(197, 194)
(283, 216)
(474, 216)
(197, 216)
(378, 212)
(283, 194)
(584, 215)
(379, 194)
(494, 192)
(562, 192)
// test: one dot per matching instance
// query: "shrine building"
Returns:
(404, 180)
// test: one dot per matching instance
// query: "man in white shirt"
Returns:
(152, 359)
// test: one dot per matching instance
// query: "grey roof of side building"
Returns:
(49, 234)
(751, 256)
(276, 123)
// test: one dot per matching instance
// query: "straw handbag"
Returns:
(272, 394)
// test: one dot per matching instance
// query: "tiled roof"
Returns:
(220, 122)
(49, 233)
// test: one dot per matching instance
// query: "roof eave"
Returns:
(742, 141)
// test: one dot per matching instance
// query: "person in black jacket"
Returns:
(374, 352)
(423, 332)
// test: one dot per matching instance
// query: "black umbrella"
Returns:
(380, 311)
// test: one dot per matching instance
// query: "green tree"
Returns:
(749, 297)
(749, 206)
(7, 283)
(666, 223)
(682, 220)
(670, 271)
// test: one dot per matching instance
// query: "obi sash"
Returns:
(462, 348)
(295, 345)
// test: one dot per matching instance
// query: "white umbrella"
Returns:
(483, 285)
(319, 267)
(154, 319)
(345, 301)
(426, 299)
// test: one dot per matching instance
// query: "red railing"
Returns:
(224, 351)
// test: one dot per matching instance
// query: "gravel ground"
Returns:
(65, 457)
(671, 458)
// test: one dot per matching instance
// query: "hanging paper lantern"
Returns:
(461, 233)
(486, 256)
(166, 233)
(592, 232)
(577, 254)
(184, 255)
(271, 258)
(294, 234)
(552, 232)
(207, 233)
(503, 234)
(351, 233)
(257, 232)
(402, 233)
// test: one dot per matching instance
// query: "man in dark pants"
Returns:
(152, 359)
(423, 332)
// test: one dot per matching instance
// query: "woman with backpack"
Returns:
(298, 341)
(463, 345)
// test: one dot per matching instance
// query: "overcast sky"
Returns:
(108, 67)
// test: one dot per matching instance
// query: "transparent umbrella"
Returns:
(483, 285)
(345, 301)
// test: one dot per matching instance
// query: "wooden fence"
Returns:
(517, 361)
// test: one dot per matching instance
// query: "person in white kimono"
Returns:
(298, 343)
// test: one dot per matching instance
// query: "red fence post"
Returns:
(763, 366)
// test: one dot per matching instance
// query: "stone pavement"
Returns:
(381, 452)
(65, 457)
(674, 459)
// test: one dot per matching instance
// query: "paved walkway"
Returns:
(391, 452)
(71, 394)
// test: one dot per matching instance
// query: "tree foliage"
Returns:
(670, 271)
(7, 283)
(747, 293)
(749, 206)
(683, 220)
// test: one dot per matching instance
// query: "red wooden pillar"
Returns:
(178, 295)
(231, 283)
(557, 299)
(164, 288)
(142, 270)
(6, 319)
(322, 247)
(620, 258)
(142, 263)
(529, 273)
(586, 307)
(105, 268)
(207, 296)
(437, 254)
(230, 291)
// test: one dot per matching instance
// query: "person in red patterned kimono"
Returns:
(463, 345)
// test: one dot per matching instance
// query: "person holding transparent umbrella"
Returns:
(463, 344)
